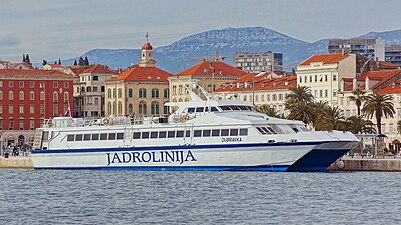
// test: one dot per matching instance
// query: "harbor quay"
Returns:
(17, 162)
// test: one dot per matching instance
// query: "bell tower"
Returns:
(147, 57)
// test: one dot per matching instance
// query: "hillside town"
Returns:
(355, 86)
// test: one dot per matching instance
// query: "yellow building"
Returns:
(139, 91)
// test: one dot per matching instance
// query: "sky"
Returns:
(52, 29)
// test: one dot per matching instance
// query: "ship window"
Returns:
(137, 135)
(206, 133)
(214, 109)
(70, 137)
(95, 137)
(188, 133)
(171, 134)
(180, 133)
(206, 109)
(197, 133)
(233, 132)
(295, 129)
(243, 132)
(234, 107)
(191, 110)
(153, 134)
(78, 137)
(249, 108)
(224, 132)
(162, 134)
(260, 130)
(271, 129)
(145, 135)
(215, 133)
(271, 141)
(225, 108)
(112, 136)
(199, 109)
(120, 136)
(243, 107)
(266, 130)
(103, 136)
(87, 137)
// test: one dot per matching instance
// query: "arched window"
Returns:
(88, 89)
(120, 93)
(10, 95)
(142, 93)
(31, 95)
(109, 93)
(65, 96)
(165, 109)
(120, 108)
(114, 93)
(186, 100)
(130, 109)
(114, 108)
(42, 95)
(180, 89)
(155, 108)
(174, 90)
(21, 95)
(174, 100)
(142, 108)
(55, 96)
(82, 89)
(1, 95)
(130, 92)
(109, 108)
(180, 100)
(209, 87)
(155, 93)
(166, 93)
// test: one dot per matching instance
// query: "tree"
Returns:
(75, 62)
(27, 59)
(379, 106)
(86, 61)
(303, 111)
(320, 108)
(358, 97)
(357, 125)
(81, 61)
(23, 58)
(300, 93)
(44, 62)
(270, 111)
(59, 61)
(331, 119)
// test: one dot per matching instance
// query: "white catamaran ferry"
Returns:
(200, 135)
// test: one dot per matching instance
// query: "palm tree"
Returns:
(331, 119)
(302, 111)
(358, 97)
(399, 126)
(320, 108)
(379, 106)
(268, 110)
(357, 125)
(298, 94)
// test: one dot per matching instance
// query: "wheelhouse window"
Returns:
(199, 109)
(78, 137)
(87, 137)
(206, 133)
(95, 137)
(243, 132)
(70, 137)
(233, 132)
(162, 134)
(171, 134)
(180, 133)
(145, 135)
(120, 136)
(197, 133)
(154, 134)
(215, 133)
(224, 132)
(137, 135)
(103, 136)
(112, 136)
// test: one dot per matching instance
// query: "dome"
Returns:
(147, 46)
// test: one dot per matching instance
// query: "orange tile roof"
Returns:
(54, 65)
(99, 69)
(325, 59)
(77, 70)
(153, 74)
(32, 72)
(268, 84)
(381, 75)
(394, 88)
(389, 64)
(205, 69)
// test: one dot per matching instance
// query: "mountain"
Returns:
(180, 54)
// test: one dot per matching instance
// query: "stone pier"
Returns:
(20, 162)
(389, 164)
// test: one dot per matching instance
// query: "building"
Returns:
(370, 48)
(207, 74)
(393, 54)
(323, 73)
(260, 89)
(89, 91)
(139, 91)
(259, 62)
(18, 65)
(27, 97)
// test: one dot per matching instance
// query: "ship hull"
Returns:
(275, 157)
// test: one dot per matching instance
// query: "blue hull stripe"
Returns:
(186, 147)
(275, 168)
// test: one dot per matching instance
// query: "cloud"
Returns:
(9, 41)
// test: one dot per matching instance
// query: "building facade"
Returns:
(139, 91)
(89, 91)
(207, 74)
(393, 54)
(27, 97)
(259, 62)
(368, 47)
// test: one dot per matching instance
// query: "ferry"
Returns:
(203, 134)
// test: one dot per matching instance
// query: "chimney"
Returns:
(367, 84)
(354, 84)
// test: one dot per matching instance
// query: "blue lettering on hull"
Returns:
(118, 158)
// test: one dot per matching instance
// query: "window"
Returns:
(142, 107)
(200, 109)
(120, 93)
(326, 77)
(243, 132)
(10, 109)
(55, 96)
(21, 84)
(70, 137)
(95, 137)
(1, 83)
(109, 93)
(55, 110)
(55, 84)
(180, 133)
(171, 134)
(188, 133)
(21, 95)
(112, 136)
(215, 133)
(310, 79)
(306, 79)
(95, 78)
(120, 136)
(10, 84)
(103, 136)
(142, 93)
(1, 95)
(31, 95)
(206, 133)
(21, 124)
(224, 132)
(300, 79)
(155, 93)
(87, 137)
(130, 109)
(162, 134)
(155, 108)
(10, 95)
(334, 77)
(166, 93)
(197, 133)
(65, 96)
(214, 109)
(130, 93)
(137, 135)
(153, 134)
(233, 132)
(42, 95)
(21, 109)
(315, 78)
(1, 109)
(326, 93)
(145, 135)
(31, 109)
(78, 137)
(261, 130)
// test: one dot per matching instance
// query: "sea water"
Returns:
(134, 197)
